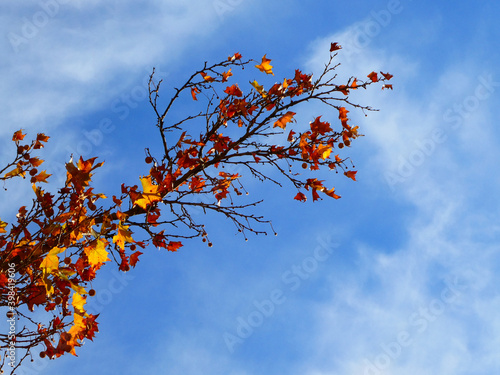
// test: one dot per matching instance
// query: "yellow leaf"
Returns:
(51, 260)
(78, 288)
(324, 151)
(150, 193)
(259, 88)
(3, 224)
(78, 302)
(123, 235)
(97, 254)
(264, 66)
(14, 172)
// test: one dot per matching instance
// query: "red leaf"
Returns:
(134, 258)
(300, 197)
(373, 76)
(335, 47)
(387, 76)
(320, 127)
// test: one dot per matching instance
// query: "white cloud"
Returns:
(363, 321)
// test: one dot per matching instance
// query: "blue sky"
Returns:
(397, 277)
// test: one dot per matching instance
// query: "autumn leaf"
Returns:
(122, 236)
(300, 197)
(354, 84)
(51, 260)
(236, 56)
(264, 66)
(387, 76)
(351, 174)
(194, 91)
(343, 89)
(40, 137)
(78, 302)
(233, 90)
(373, 76)
(35, 162)
(77, 288)
(18, 136)
(320, 127)
(206, 77)
(174, 245)
(285, 119)
(324, 151)
(196, 184)
(331, 193)
(96, 253)
(335, 47)
(134, 258)
(226, 75)
(387, 87)
(41, 177)
(3, 224)
(259, 88)
(150, 193)
(15, 172)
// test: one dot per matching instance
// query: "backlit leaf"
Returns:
(285, 119)
(264, 66)
(97, 253)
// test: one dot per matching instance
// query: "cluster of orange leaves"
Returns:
(60, 243)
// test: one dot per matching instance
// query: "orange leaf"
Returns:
(18, 136)
(196, 184)
(42, 137)
(174, 245)
(351, 174)
(207, 77)
(194, 91)
(41, 177)
(35, 162)
(285, 119)
(233, 90)
(226, 75)
(331, 193)
(320, 127)
(264, 66)
(236, 56)
(387, 87)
